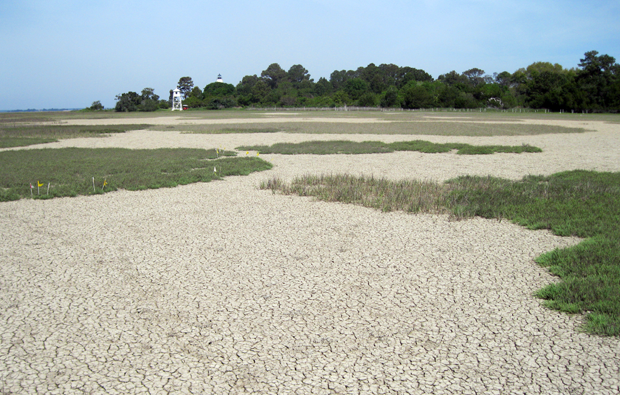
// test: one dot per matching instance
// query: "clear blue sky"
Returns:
(67, 53)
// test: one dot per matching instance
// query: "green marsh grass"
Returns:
(386, 126)
(198, 129)
(70, 170)
(20, 134)
(575, 203)
(373, 147)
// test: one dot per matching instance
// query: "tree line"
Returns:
(594, 85)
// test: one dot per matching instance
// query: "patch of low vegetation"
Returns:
(385, 125)
(575, 203)
(373, 147)
(70, 171)
(197, 129)
(19, 134)
(13, 118)
(8, 142)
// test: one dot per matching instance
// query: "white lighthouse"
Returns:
(176, 100)
(219, 78)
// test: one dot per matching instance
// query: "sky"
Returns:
(68, 54)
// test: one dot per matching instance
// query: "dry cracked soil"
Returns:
(224, 288)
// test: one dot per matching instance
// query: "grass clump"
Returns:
(20, 134)
(407, 195)
(200, 129)
(70, 170)
(8, 142)
(321, 148)
(575, 203)
(411, 126)
(373, 147)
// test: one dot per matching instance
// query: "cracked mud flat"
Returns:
(223, 288)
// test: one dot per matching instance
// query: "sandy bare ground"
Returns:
(191, 121)
(223, 288)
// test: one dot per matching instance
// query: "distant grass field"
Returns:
(23, 134)
(435, 128)
(440, 123)
(580, 203)
(70, 171)
(390, 114)
(373, 147)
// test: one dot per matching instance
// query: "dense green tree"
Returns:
(390, 99)
(193, 102)
(356, 87)
(539, 67)
(503, 78)
(286, 88)
(416, 96)
(598, 77)
(377, 85)
(127, 102)
(453, 78)
(545, 90)
(594, 85)
(219, 89)
(341, 98)
(491, 95)
(368, 99)
(297, 73)
(390, 74)
(273, 75)
(185, 85)
(323, 87)
(474, 76)
(149, 100)
(149, 93)
(306, 88)
(246, 84)
(163, 104)
(196, 92)
(220, 103)
(288, 101)
(131, 101)
(448, 96)
(409, 74)
(367, 73)
(337, 79)
(260, 90)
(96, 106)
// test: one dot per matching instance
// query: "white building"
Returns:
(177, 104)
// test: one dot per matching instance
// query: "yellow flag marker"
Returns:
(39, 184)
(257, 154)
(105, 182)
(247, 152)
